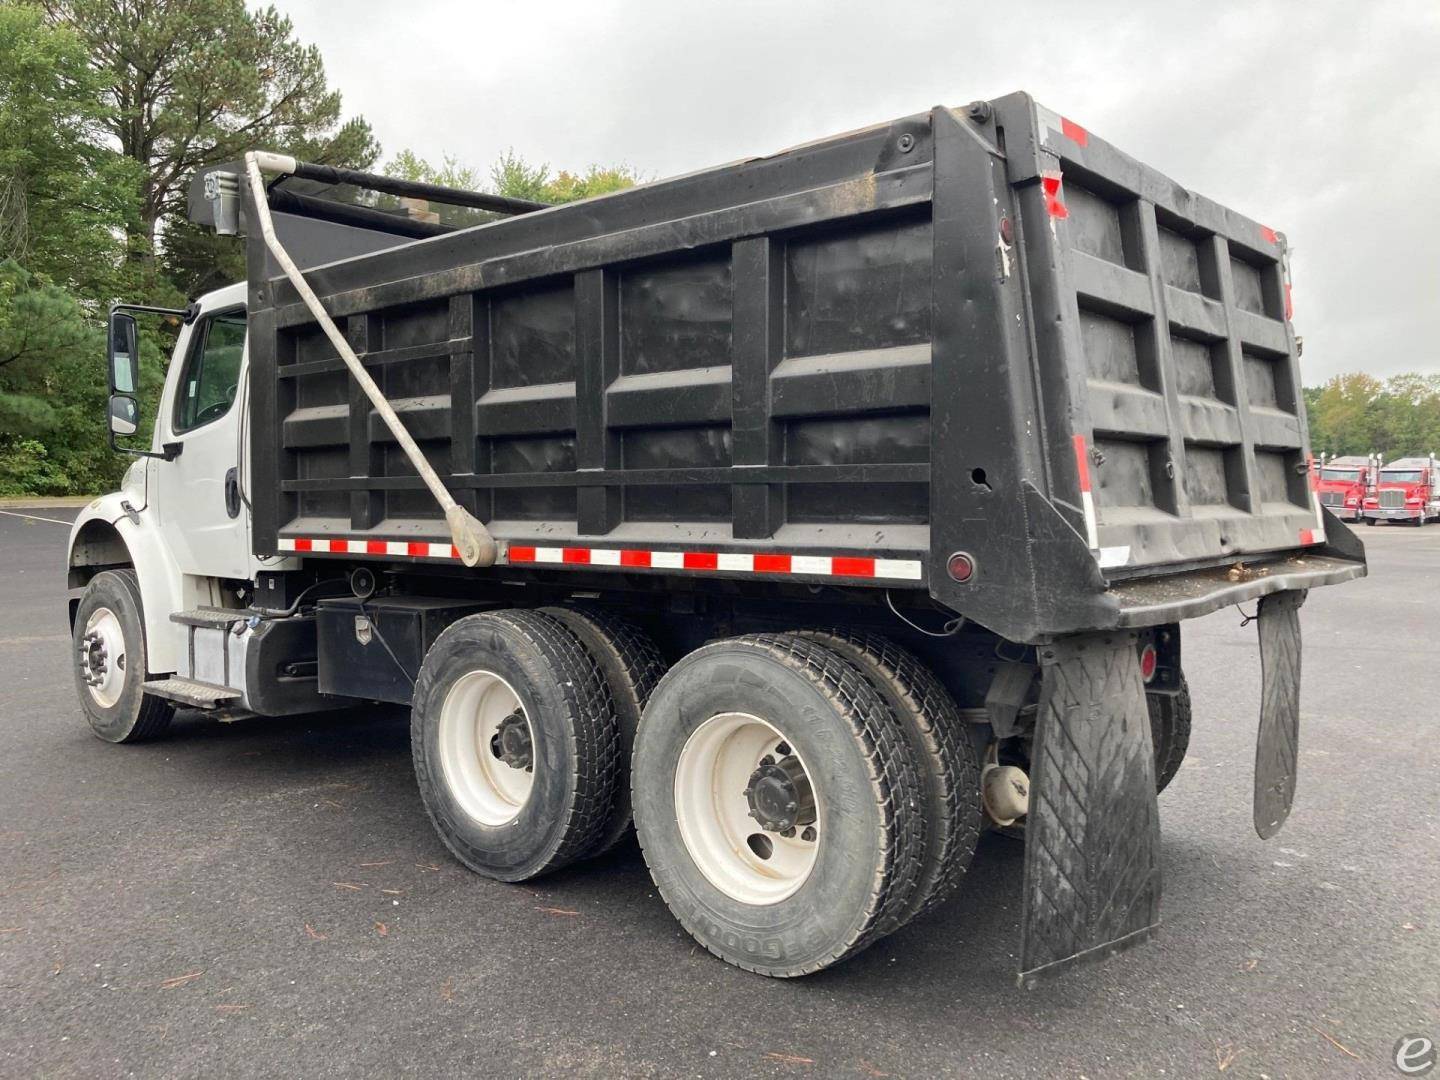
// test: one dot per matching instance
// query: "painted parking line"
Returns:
(36, 517)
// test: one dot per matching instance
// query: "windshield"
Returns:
(1349, 475)
(1400, 476)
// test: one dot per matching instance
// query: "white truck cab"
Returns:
(180, 523)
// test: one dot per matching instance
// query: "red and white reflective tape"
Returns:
(413, 549)
(858, 567)
(1106, 556)
(1050, 184)
(1087, 497)
(1317, 534)
(733, 562)
(1052, 123)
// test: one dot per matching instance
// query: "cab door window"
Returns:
(212, 371)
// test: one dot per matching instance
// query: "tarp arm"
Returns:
(471, 538)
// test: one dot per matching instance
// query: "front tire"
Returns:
(515, 746)
(777, 804)
(109, 660)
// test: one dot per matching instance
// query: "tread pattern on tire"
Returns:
(1170, 731)
(887, 756)
(637, 659)
(594, 742)
(155, 714)
(949, 762)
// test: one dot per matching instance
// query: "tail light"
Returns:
(1149, 659)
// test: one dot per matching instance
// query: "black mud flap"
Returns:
(1277, 746)
(1092, 837)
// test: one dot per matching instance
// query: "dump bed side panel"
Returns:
(1168, 315)
(681, 376)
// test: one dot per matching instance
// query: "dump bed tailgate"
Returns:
(1170, 316)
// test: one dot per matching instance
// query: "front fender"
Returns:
(105, 535)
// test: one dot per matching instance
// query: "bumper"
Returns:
(1148, 602)
(1400, 514)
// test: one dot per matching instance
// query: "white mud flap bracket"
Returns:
(1092, 837)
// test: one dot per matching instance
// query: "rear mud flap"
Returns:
(1277, 746)
(1092, 837)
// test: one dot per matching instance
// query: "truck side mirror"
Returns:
(123, 348)
(124, 415)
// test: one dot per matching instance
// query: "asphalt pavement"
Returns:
(266, 897)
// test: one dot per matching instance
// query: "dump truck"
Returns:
(1406, 489)
(812, 513)
(1344, 481)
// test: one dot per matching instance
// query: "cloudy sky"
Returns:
(1318, 118)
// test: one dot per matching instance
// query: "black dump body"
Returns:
(983, 331)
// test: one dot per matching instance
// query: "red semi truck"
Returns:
(1344, 483)
(1408, 489)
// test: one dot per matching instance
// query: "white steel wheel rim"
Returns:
(713, 812)
(487, 788)
(103, 637)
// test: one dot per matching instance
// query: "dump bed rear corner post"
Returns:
(1092, 837)
(982, 457)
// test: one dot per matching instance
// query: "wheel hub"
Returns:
(511, 742)
(780, 796)
(94, 658)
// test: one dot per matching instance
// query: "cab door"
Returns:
(202, 516)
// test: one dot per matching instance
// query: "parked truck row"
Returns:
(811, 513)
(1367, 488)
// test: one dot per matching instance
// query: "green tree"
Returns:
(193, 82)
(1356, 413)
(64, 196)
(52, 391)
(515, 178)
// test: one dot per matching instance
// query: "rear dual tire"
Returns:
(760, 887)
(515, 744)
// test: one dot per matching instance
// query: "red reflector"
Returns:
(520, 554)
(1149, 658)
(960, 567)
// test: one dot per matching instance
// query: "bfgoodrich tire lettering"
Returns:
(124, 713)
(870, 842)
(574, 743)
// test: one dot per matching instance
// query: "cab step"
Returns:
(197, 695)
(210, 618)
